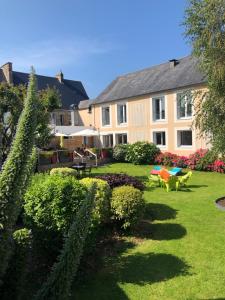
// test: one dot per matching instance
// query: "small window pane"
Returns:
(184, 138)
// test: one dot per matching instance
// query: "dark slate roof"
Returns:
(85, 104)
(72, 92)
(155, 79)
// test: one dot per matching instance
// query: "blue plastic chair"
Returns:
(175, 171)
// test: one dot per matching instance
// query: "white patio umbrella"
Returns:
(85, 132)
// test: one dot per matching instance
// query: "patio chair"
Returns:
(172, 183)
(175, 171)
(183, 179)
(155, 170)
(154, 180)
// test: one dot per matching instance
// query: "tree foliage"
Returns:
(205, 28)
(11, 106)
(14, 175)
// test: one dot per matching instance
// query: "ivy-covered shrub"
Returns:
(127, 205)
(142, 153)
(52, 201)
(63, 171)
(120, 152)
(119, 179)
(101, 212)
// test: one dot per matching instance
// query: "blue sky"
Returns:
(91, 40)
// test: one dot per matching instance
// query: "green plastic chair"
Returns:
(171, 184)
(183, 179)
(154, 180)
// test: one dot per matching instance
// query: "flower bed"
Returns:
(201, 160)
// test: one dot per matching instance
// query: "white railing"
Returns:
(93, 154)
(78, 154)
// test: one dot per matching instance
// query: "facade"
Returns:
(154, 104)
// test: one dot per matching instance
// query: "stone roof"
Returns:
(85, 104)
(155, 79)
(72, 92)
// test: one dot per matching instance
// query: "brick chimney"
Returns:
(173, 62)
(60, 77)
(7, 71)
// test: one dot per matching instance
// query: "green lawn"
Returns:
(179, 255)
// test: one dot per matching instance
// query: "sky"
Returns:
(93, 41)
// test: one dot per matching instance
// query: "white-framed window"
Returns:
(159, 138)
(121, 138)
(105, 116)
(107, 141)
(158, 109)
(121, 114)
(184, 138)
(184, 105)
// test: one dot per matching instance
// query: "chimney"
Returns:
(60, 77)
(7, 71)
(173, 62)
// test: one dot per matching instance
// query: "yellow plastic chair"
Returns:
(172, 183)
(183, 179)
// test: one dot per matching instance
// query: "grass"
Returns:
(176, 253)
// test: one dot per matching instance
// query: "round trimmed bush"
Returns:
(101, 212)
(120, 152)
(127, 205)
(63, 171)
(52, 201)
(142, 153)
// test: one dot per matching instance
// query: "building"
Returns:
(154, 104)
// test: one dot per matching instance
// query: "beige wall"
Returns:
(140, 125)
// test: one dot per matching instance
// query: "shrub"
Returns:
(142, 153)
(166, 159)
(127, 205)
(52, 201)
(219, 166)
(202, 160)
(16, 276)
(170, 159)
(101, 212)
(63, 171)
(120, 152)
(58, 285)
(118, 179)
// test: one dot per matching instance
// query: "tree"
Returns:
(205, 28)
(14, 175)
(11, 106)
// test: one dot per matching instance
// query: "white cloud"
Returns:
(54, 53)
